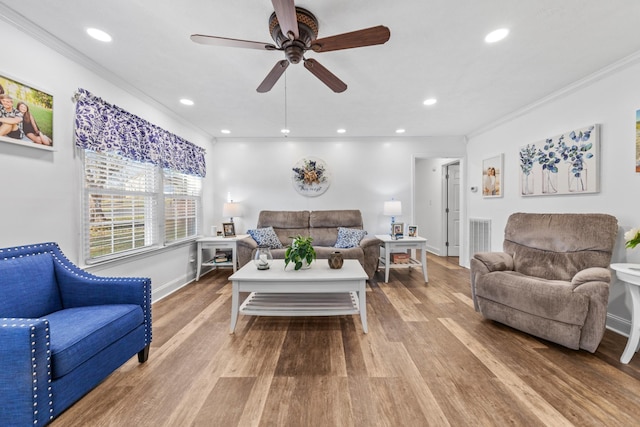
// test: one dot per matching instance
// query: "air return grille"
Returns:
(479, 235)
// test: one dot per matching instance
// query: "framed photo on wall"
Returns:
(26, 115)
(492, 173)
(229, 229)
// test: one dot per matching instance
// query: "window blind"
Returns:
(182, 194)
(120, 200)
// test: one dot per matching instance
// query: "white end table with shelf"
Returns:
(217, 242)
(630, 275)
(390, 245)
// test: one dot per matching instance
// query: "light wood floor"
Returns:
(428, 360)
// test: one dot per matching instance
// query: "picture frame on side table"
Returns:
(397, 230)
(492, 173)
(412, 231)
(35, 109)
(229, 229)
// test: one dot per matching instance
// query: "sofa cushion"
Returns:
(28, 286)
(349, 237)
(77, 334)
(265, 236)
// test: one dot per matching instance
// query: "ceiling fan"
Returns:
(295, 31)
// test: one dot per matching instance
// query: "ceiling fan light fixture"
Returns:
(496, 35)
(99, 35)
(285, 131)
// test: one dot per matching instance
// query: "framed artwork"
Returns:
(413, 231)
(26, 115)
(229, 229)
(397, 230)
(564, 164)
(492, 173)
(310, 177)
(637, 140)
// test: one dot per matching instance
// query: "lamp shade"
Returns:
(231, 209)
(392, 208)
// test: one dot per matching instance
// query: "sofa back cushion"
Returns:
(557, 246)
(324, 224)
(28, 286)
(286, 224)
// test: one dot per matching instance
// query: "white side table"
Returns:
(388, 245)
(630, 275)
(218, 242)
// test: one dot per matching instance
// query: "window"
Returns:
(123, 205)
(181, 204)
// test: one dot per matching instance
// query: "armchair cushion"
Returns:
(77, 334)
(266, 236)
(349, 237)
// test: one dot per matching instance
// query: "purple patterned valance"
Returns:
(101, 126)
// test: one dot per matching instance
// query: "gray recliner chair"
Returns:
(552, 280)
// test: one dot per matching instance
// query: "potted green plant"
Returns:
(300, 252)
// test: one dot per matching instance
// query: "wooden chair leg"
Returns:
(143, 354)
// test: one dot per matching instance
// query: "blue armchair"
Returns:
(62, 331)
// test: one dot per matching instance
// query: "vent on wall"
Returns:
(479, 235)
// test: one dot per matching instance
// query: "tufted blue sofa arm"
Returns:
(25, 353)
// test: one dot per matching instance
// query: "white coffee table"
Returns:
(317, 291)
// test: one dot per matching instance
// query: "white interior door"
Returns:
(452, 210)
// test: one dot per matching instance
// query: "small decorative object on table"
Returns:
(263, 257)
(336, 260)
(229, 229)
(413, 231)
(300, 253)
(632, 238)
(397, 231)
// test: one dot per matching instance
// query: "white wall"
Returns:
(365, 173)
(609, 99)
(40, 193)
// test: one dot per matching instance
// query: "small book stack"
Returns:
(222, 256)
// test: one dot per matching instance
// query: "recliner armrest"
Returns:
(370, 241)
(495, 261)
(25, 353)
(592, 274)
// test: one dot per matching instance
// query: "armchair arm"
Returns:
(370, 241)
(245, 248)
(25, 376)
(592, 274)
(495, 261)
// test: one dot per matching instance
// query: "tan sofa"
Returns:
(322, 226)
(552, 280)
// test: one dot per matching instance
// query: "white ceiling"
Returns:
(436, 50)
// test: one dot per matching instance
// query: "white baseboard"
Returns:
(167, 289)
(618, 325)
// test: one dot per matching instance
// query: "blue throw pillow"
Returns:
(349, 237)
(266, 236)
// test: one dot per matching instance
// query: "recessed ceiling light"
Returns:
(400, 130)
(341, 130)
(497, 35)
(225, 131)
(99, 35)
(186, 101)
(430, 101)
(285, 131)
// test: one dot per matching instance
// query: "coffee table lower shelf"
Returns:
(302, 304)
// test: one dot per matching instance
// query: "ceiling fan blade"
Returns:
(286, 13)
(223, 41)
(273, 76)
(325, 76)
(366, 37)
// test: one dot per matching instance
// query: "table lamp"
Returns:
(392, 208)
(231, 209)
